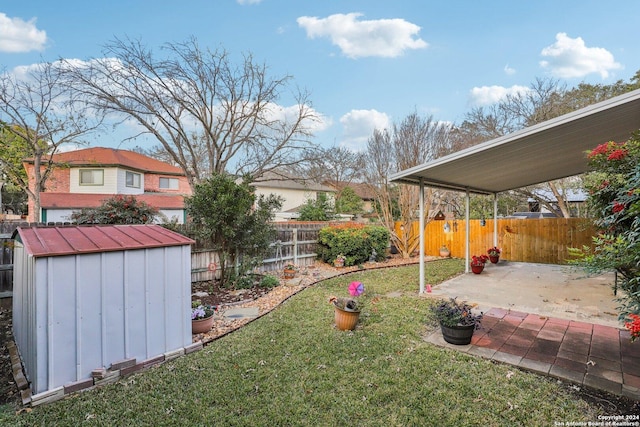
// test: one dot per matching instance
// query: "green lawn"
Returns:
(291, 367)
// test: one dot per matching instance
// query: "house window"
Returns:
(169, 183)
(133, 179)
(91, 177)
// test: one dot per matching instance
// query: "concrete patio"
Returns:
(563, 292)
(549, 319)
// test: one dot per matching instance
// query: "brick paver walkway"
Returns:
(596, 356)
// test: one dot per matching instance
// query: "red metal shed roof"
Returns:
(56, 241)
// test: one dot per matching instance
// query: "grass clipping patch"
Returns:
(292, 367)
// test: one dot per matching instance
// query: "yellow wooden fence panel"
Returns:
(545, 240)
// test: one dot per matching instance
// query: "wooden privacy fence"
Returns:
(295, 243)
(544, 240)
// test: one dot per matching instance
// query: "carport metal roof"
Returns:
(550, 150)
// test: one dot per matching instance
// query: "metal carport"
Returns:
(544, 152)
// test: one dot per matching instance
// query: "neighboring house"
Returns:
(575, 199)
(85, 178)
(362, 190)
(294, 192)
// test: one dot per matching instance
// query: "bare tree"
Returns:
(337, 166)
(414, 141)
(210, 115)
(38, 114)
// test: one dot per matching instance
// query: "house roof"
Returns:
(57, 241)
(570, 195)
(291, 183)
(544, 152)
(362, 189)
(100, 156)
(78, 201)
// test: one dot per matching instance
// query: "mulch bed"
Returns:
(219, 295)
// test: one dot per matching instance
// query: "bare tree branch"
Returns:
(210, 115)
(38, 109)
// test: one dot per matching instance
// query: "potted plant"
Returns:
(457, 321)
(339, 261)
(478, 262)
(347, 310)
(290, 271)
(444, 251)
(201, 317)
(494, 254)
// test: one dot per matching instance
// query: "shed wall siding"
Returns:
(83, 312)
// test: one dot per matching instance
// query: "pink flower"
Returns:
(356, 288)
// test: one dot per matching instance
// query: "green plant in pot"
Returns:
(290, 271)
(457, 321)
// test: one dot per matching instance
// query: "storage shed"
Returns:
(88, 297)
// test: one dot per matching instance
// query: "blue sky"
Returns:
(366, 63)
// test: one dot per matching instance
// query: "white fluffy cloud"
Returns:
(358, 126)
(17, 35)
(568, 58)
(382, 37)
(487, 95)
(509, 71)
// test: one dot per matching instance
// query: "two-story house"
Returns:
(294, 193)
(85, 178)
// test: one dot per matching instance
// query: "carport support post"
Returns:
(421, 262)
(467, 229)
(495, 219)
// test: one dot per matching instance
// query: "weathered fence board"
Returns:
(295, 243)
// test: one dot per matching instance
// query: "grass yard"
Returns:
(293, 368)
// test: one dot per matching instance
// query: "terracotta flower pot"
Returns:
(346, 320)
(477, 268)
(339, 263)
(494, 259)
(289, 273)
(202, 326)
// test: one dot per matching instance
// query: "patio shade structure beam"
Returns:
(544, 152)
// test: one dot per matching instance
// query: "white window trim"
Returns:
(169, 181)
(126, 183)
(101, 183)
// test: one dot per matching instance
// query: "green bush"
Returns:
(269, 282)
(614, 199)
(118, 209)
(355, 241)
(235, 221)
